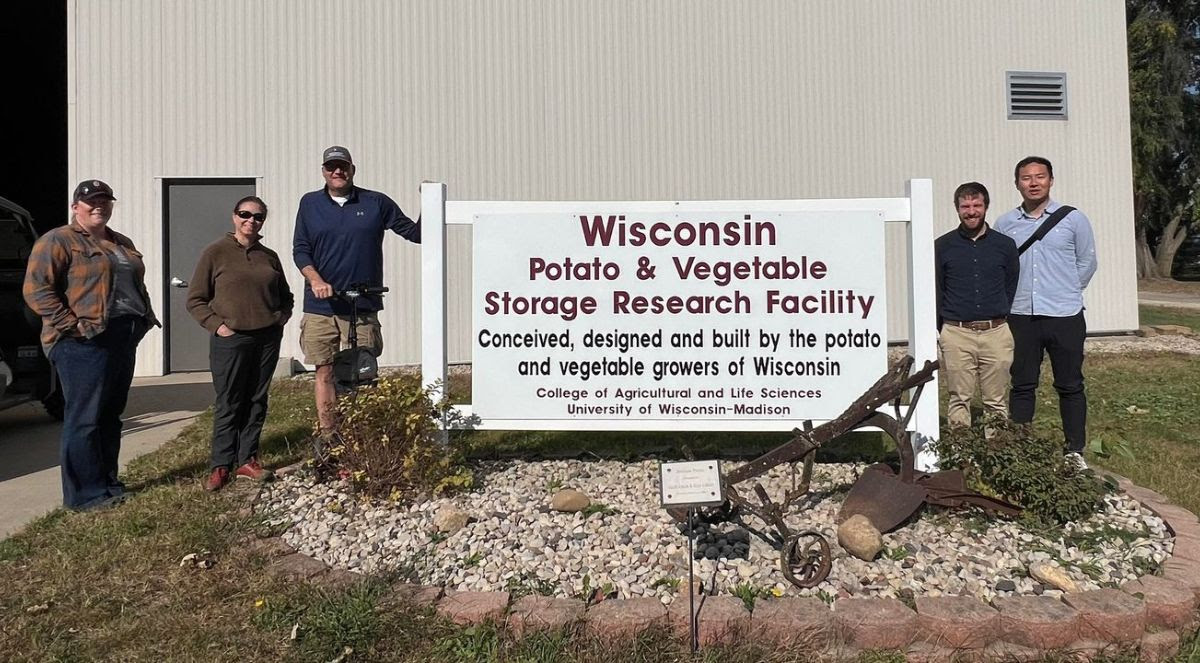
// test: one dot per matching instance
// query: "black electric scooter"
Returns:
(354, 367)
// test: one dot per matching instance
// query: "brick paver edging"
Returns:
(1149, 615)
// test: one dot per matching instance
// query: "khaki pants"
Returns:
(973, 359)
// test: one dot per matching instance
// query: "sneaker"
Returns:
(1075, 460)
(216, 480)
(252, 470)
(100, 504)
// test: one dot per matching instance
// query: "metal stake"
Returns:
(692, 577)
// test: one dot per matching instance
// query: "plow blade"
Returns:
(883, 498)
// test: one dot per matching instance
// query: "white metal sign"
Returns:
(685, 315)
(692, 483)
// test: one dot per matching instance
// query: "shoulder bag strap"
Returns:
(1046, 226)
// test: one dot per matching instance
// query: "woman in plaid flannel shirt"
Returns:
(87, 282)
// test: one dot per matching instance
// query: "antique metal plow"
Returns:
(883, 497)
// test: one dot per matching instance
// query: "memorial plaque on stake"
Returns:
(691, 483)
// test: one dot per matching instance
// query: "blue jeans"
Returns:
(95, 375)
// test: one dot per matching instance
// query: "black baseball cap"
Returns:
(336, 153)
(91, 189)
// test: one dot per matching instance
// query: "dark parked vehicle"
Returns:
(1187, 259)
(25, 373)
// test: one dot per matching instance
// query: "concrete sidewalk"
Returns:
(159, 408)
(1175, 299)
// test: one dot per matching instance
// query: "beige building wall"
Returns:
(582, 100)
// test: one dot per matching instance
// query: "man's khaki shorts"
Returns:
(321, 336)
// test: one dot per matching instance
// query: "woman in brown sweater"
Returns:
(240, 295)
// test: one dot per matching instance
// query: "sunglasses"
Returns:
(257, 216)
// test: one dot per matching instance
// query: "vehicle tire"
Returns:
(55, 405)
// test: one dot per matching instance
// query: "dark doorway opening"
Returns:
(33, 173)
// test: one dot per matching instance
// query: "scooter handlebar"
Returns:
(361, 290)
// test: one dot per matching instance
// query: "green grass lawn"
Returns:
(1162, 315)
(108, 586)
(1151, 402)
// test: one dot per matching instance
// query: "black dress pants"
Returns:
(1062, 338)
(242, 367)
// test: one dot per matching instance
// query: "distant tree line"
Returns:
(1164, 105)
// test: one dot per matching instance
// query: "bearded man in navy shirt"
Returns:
(977, 270)
(338, 243)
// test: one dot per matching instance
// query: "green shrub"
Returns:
(389, 442)
(1010, 461)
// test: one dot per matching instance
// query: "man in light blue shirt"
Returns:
(1047, 312)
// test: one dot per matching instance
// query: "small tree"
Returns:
(1164, 60)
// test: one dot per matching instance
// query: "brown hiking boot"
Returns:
(216, 480)
(252, 470)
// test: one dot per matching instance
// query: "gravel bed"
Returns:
(515, 542)
(1189, 345)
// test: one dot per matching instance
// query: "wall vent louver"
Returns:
(1037, 95)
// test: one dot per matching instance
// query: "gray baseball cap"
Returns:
(336, 153)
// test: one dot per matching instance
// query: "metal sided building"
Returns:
(185, 105)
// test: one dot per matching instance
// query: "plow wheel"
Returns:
(805, 559)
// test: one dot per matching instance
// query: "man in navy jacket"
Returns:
(338, 243)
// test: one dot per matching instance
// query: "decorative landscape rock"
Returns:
(296, 567)
(543, 614)
(1108, 615)
(569, 500)
(620, 620)
(957, 622)
(876, 623)
(860, 538)
(720, 620)
(1160, 646)
(473, 607)
(713, 542)
(1168, 603)
(338, 578)
(270, 547)
(1038, 622)
(1053, 576)
(421, 596)
(793, 622)
(449, 520)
